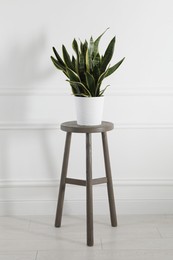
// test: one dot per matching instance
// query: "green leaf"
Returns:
(114, 68)
(80, 86)
(90, 83)
(96, 42)
(103, 90)
(67, 59)
(108, 55)
(88, 61)
(75, 47)
(81, 63)
(99, 82)
(102, 76)
(72, 75)
(85, 47)
(57, 64)
(76, 66)
(74, 90)
(91, 48)
(96, 73)
(96, 60)
(81, 46)
(58, 57)
(73, 61)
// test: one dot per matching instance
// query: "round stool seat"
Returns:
(73, 127)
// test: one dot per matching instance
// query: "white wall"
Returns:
(35, 99)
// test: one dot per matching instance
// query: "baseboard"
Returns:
(131, 197)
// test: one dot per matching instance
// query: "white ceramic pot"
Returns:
(89, 110)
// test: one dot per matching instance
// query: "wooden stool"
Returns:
(72, 127)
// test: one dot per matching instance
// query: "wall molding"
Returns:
(141, 92)
(61, 91)
(149, 126)
(31, 91)
(50, 125)
(55, 183)
(35, 197)
(29, 125)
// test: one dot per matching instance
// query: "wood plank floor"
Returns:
(137, 237)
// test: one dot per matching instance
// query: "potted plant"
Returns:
(85, 72)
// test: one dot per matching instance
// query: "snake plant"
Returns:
(87, 69)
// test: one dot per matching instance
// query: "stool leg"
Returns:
(89, 195)
(62, 182)
(109, 180)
